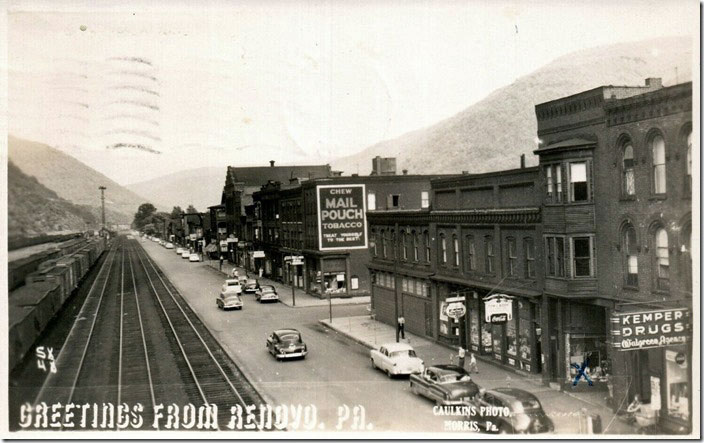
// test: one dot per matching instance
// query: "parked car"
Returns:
(266, 293)
(227, 300)
(179, 251)
(521, 412)
(169, 245)
(251, 285)
(445, 384)
(186, 253)
(194, 257)
(396, 359)
(231, 285)
(286, 343)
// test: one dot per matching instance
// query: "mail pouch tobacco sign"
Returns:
(650, 329)
(342, 222)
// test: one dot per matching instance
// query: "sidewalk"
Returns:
(303, 300)
(564, 408)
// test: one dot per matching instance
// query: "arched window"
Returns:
(394, 246)
(443, 249)
(511, 256)
(470, 264)
(662, 259)
(415, 245)
(426, 242)
(404, 240)
(529, 248)
(489, 254)
(456, 250)
(630, 252)
(629, 183)
(384, 252)
(657, 145)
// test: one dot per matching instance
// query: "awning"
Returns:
(572, 143)
(522, 292)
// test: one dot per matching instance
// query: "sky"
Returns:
(137, 90)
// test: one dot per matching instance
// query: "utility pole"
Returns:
(102, 202)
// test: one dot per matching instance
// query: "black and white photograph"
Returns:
(379, 219)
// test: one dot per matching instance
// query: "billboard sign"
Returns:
(342, 219)
(650, 329)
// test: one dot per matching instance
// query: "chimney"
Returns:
(653, 82)
(523, 161)
(271, 163)
(405, 172)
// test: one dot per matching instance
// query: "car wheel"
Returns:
(388, 373)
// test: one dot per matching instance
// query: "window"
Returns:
(560, 256)
(657, 145)
(404, 240)
(555, 253)
(383, 244)
(424, 199)
(394, 245)
(662, 260)
(528, 247)
(443, 249)
(581, 257)
(426, 242)
(456, 250)
(553, 177)
(548, 179)
(415, 246)
(489, 256)
(373, 242)
(629, 184)
(470, 264)
(631, 256)
(550, 254)
(578, 182)
(558, 182)
(394, 200)
(511, 255)
(371, 201)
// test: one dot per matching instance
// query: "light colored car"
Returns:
(396, 359)
(169, 246)
(186, 253)
(266, 293)
(250, 285)
(179, 251)
(228, 300)
(231, 285)
(286, 343)
(194, 257)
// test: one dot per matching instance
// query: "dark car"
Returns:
(251, 285)
(266, 293)
(445, 384)
(286, 343)
(511, 411)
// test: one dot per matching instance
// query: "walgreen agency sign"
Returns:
(650, 329)
(342, 221)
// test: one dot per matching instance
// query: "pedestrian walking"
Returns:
(460, 357)
(222, 259)
(402, 327)
(473, 364)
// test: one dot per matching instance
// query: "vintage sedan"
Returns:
(266, 293)
(286, 343)
(179, 250)
(445, 384)
(396, 359)
(251, 285)
(194, 257)
(169, 245)
(227, 300)
(510, 411)
(231, 285)
(186, 253)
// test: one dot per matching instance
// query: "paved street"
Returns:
(337, 371)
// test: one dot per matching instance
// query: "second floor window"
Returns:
(424, 199)
(470, 264)
(383, 244)
(629, 183)
(443, 248)
(578, 182)
(415, 246)
(489, 255)
(426, 242)
(371, 201)
(456, 250)
(631, 256)
(511, 255)
(581, 257)
(555, 253)
(657, 145)
(404, 245)
(530, 257)
(662, 260)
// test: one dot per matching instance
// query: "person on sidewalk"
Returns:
(473, 364)
(402, 327)
(233, 273)
(460, 357)
(222, 259)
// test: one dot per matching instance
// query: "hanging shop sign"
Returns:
(650, 329)
(192, 237)
(258, 254)
(342, 220)
(498, 309)
(456, 310)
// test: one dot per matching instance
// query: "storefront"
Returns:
(327, 275)
(652, 360)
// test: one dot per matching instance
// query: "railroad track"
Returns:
(136, 342)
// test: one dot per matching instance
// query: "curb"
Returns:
(351, 337)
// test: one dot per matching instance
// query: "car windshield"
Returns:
(404, 353)
(290, 337)
(530, 405)
(233, 283)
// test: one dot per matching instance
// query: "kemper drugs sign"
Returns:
(342, 220)
(650, 329)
